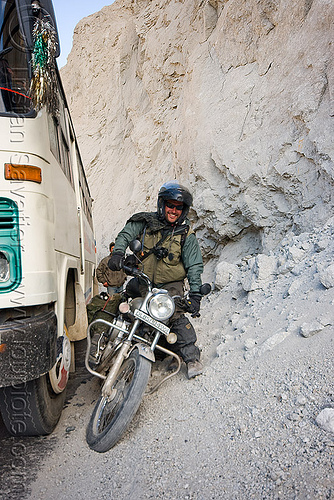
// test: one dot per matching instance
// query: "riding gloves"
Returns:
(194, 304)
(115, 262)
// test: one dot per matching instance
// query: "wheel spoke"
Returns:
(112, 416)
(109, 407)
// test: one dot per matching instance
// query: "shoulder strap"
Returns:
(144, 255)
(151, 220)
(182, 230)
(184, 235)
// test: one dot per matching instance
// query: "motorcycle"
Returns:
(122, 353)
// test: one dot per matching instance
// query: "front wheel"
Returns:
(112, 415)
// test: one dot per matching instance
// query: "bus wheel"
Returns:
(33, 408)
(60, 371)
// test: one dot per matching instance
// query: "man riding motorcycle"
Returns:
(170, 253)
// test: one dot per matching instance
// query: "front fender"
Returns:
(144, 351)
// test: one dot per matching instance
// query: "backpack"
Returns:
(100, 308)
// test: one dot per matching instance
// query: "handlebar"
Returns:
(182, 303)
(135, 246)
(134, 271)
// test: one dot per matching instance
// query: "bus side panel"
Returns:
(36, 239)
(67, 230)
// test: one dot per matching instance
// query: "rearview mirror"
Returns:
(135, 246)
(205, 289)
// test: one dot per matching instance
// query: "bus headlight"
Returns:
(161, 307)
(4, 267)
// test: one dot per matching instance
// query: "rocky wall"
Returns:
(234, 98)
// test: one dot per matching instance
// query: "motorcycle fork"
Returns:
(155, 341)
(122, 355)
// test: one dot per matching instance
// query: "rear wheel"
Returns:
(112, 415)
(33, 408)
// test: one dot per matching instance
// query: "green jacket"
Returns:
(182, 255)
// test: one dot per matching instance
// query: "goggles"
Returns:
(170, 205)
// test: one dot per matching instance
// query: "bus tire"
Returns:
(31, 408)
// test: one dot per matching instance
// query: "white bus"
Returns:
(47, 246)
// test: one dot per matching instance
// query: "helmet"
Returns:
(172, 190)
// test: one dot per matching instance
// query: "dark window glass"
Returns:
(14, 63)
(53, 136)
(86, 200)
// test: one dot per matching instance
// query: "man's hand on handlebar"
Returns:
(131, 261)
(194, 304)
(115, 263)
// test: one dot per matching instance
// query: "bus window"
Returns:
(59, 148)
(53, 136)
(14, 63)
(65, 159)
(86, 200)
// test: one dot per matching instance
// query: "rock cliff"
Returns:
(232, 97)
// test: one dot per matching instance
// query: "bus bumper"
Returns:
(27, 348)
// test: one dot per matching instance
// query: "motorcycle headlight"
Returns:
(161, 307)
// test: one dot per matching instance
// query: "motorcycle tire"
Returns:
(112, 416)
